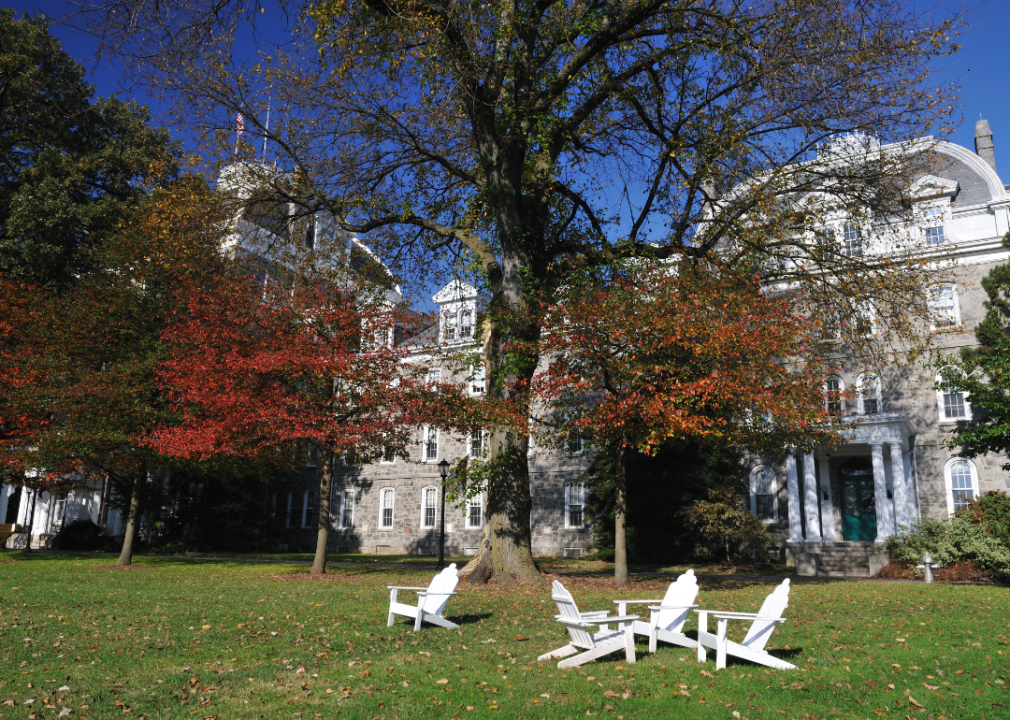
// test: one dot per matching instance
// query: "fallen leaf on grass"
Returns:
(443, 681)
(706, 673)
(9, 702)
(916, 702)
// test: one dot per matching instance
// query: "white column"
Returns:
(885, 508)
(902, 504)
(810, 499)
(793, 499)
(827, 504)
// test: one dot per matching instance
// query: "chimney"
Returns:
(983, 143)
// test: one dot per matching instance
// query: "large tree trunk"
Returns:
(506, 553)
(322, 537)
(132, 519)
(621, 517)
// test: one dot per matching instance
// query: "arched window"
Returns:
(870, 400)
(386, 497)
(575, 498)
(764, 494)
(951, 399)
(962, 484)
(833, 395)
(944, 308)
(429, 507)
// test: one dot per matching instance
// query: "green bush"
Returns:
(992, 510)
(950, 542)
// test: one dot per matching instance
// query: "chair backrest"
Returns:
(568, 611)
(442, 584)
(682, 592)
(772, 609)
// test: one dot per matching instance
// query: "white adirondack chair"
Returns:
(580, 627)
(431, 601)
(752, 648)
(667, 616)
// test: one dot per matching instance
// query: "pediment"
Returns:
(455, 291)
(931, 186)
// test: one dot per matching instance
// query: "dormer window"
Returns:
(932, 226)
(457, 324)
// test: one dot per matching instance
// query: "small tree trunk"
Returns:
(132, 519)
(325, 483)
(620, 517)
(506, 552)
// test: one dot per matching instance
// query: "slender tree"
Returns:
(305, 361)
(528, 141)
(680, 351)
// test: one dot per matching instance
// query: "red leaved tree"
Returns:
(692, 350)
(303, 362)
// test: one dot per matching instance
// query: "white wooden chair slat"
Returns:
(763, 624)
(668, 615)
(581, 637)
(431, 601)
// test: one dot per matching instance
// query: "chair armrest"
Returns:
(426, 594)
(634, 602)
(608, 620)
(744, 616)
(592, 613)
(672, 607)
(404, 587)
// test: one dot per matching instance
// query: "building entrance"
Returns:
(859, 502)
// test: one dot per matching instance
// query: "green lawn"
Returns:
(226, 640)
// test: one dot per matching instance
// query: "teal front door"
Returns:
(859, 502)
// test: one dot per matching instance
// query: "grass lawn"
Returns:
(227, 640)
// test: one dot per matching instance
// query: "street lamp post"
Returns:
(443, 470)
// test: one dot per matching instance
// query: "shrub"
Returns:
(992, 510)
(721, 522)
(951, 542)
(78, 535)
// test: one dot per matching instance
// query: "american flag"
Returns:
(239, 124)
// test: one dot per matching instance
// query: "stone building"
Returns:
(831, 507)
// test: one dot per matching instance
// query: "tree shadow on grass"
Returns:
(469, 618)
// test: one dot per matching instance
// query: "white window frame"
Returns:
(482, 434)
(869, 314)
(434, 376)
(861, 383)
(931, 293)
(424, 508)
(305, 508)
(568, 504)
(846, 247)
(345, 520)
(477, 382)
(774, 492)
(388, 458)
(472, 502)
(571, 441)
(453, 326)
(382, 507)
(941, 405)
(424, 444)
(929, 213)
(840, 391)
(949, 482)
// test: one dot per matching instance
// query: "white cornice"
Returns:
(992, 181)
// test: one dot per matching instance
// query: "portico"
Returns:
(861, 491)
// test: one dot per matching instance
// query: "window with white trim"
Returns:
(575, 499)
(834, 404)
(764, 494)
(346, 509)
(309, 509)
(574, 445)
(475, 511)
(457, 323)
(434, 377)
(388, 455)
(852, 239)
(863, 321)
(477, 443)
(951, 399)
(933, 225)
(429, 507)
(386, 500)
(962, 484)
(477, 379)
(429, 451)
(944, 310)
(870, 400)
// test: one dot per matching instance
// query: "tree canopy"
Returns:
(73, 166)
